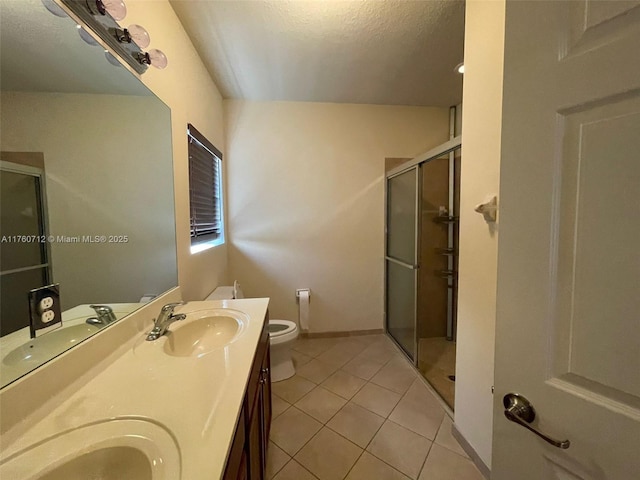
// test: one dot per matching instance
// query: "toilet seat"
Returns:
(281, 331)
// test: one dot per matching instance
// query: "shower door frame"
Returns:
(415, 266)
(437, 152)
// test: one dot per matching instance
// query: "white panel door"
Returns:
(568, 321)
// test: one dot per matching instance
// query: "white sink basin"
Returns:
(113, 463)
(120, 449)
(41, 349)
(204, 331)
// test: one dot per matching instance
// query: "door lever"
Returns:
(520, 411)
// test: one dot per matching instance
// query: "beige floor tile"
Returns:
(313, 346)
(400, 448)
(446, 439)
(380, 352)
(299, 359)
(396, 375)
(328, 455)
(294, 471)
(276, 459)
(291, 430)
(321, 404)
(443, 464)
(436, 361)
(316, 371)
(369, 467)
(377, 399)
(278, 406)
(293, 389)
(341, 353)
(419, 411)
(439, 379)
(419, 392)
(343, 384)
(370, 339)
(356, 424)
(363, 367)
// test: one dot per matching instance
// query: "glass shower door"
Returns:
(23, 255)
(401, 258)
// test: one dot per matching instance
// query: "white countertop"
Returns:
(22, 339)
(197, 399)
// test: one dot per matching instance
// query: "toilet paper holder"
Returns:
(301, 290)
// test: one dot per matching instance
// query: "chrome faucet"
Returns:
(166, 318)
(104, 315)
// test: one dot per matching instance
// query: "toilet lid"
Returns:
(280, 327)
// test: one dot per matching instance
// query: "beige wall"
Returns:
(101, 181)
(306, 202)
(481, 128)
(186, 87)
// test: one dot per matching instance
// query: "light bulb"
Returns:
(139, 35)
(86, 36)
(54, 8)
(116, 8)
(111, 59)
(460, 68)
(158, 58)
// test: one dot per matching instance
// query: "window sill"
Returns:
(201, 247)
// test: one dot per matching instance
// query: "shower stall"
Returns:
(421, 261)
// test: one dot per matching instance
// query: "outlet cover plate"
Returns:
(36, 325)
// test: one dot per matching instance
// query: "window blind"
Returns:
(205, 188)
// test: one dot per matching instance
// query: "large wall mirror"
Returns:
(86, 185)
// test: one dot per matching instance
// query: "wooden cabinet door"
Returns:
(237, 453)
(255, 441)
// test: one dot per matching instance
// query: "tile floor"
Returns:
(357, 410)
(436, 361)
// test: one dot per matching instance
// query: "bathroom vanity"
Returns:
(193, 404)
(247, 457)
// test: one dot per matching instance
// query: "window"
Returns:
(205, 192)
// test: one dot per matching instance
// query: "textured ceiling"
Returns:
(40, 52)
(390, 52)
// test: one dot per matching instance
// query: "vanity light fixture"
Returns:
(86, 36)
(116, 8)
(54, 8)
(460, 68)
(102, 17)
(111, 59)
(135, 33)
(153, 57)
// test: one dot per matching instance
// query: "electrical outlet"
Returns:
(45, 304)
(44, 309)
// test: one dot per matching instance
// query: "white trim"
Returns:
(201, 247)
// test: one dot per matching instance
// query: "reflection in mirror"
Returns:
(86, 185)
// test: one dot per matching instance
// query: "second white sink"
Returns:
(204, 331)
(116, 449)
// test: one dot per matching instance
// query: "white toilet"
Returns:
(282, 334)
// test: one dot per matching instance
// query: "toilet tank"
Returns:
(226, 292)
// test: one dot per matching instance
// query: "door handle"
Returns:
(519, 410)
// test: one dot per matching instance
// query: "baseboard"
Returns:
(351, 333)
(475, 458)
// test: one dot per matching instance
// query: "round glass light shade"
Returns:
(111, 59)
(158, 58)
(86, 36)
(116, 8)
(139, 35)
(54, 8)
